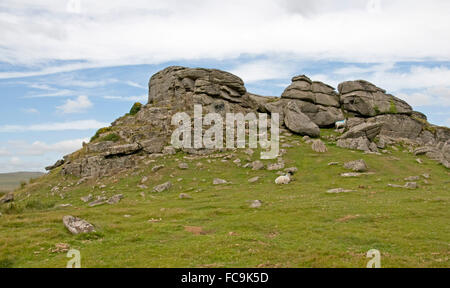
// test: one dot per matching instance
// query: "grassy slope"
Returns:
(299, 225)
(11, 181)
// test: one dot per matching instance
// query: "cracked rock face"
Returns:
(366, 99)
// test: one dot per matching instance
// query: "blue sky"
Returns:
(68, 68)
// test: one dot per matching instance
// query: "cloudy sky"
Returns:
(69, 67)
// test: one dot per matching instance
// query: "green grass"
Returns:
(298, 225)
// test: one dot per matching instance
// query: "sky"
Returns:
(69, 67)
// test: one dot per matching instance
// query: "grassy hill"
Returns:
(298, 225)
(11, 181)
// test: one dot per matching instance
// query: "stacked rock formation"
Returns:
(374, 119)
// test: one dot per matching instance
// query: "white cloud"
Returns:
(262, 70)
(4, 152)
(134, 32)
(38, 148)
(57, 93)
(141, 98)
(79, 105)
(134, 84)
(57, 126)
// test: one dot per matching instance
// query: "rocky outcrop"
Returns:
(374, 119)
(365, 99)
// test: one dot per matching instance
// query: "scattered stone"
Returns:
(9, 197)
(418, 160)
(411, 185)
(318, 146)
(153, 220)
(142, 186)
(98, 202)
(127, 215)
(87, 198)
(218, 181)
(249, 152)
(185, 196)
(77, 225)
(237, 161)
(183, 166)
(115, 199)
(412, 178)
(256, 204)
(60, 248)
(162, 187)
(291, 170)
(144, 179)
(356, 174)
(253, 180)
(426, 176)
(169, 150)
(157, 168)
(339, 190)
(64, 205)
(357, 165)
(257, 165)
(283, 180)
(275, 166)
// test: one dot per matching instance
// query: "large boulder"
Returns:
(366, 99)
(366, 130)
(398, 126)
(298, 122)
(302, 88)
(218, 91)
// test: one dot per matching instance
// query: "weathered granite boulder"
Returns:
(364, 98)
(298, 122)
(302, 88)
(367, 130)
(76, 225)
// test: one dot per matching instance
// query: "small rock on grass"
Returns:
(339, 190)
(77, 225)
(157, 168)
(319, 146)
(256, 204)
(253, 180)
(115, 199)
(412, 178)
(185, 196)
(162, 187)
(257, 165)
(183, 166)
(218, 181)
(357, 165)
(87, 198)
